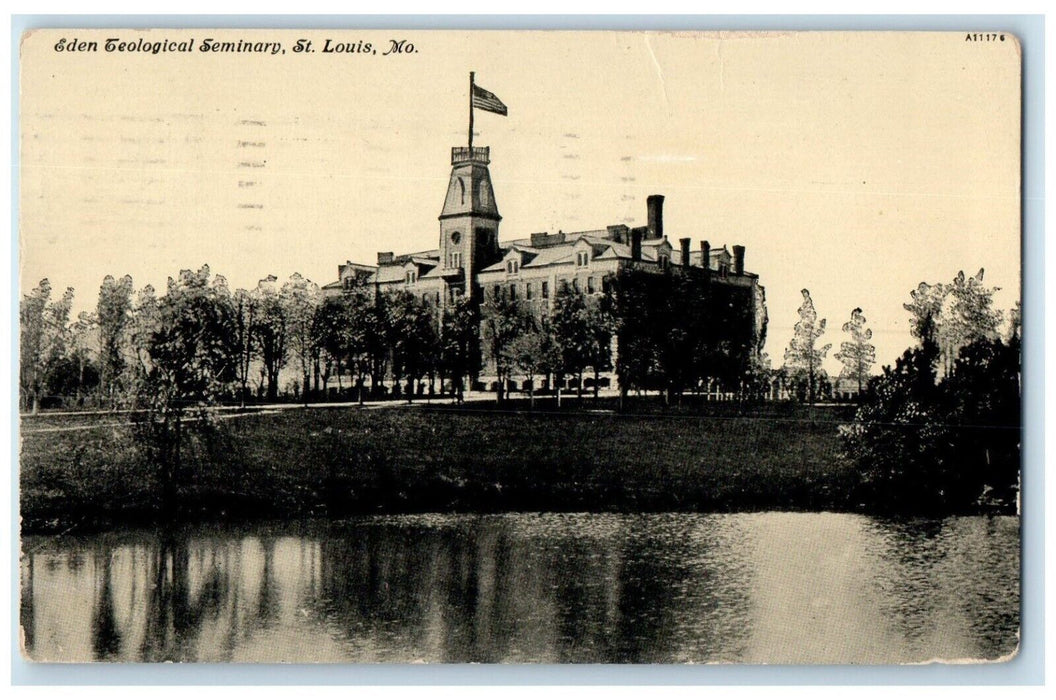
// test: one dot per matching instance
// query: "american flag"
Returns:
(482, 99)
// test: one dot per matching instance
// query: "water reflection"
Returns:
(773, 587)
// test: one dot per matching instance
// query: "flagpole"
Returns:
(471, 113)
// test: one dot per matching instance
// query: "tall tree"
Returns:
(412, 327)
(192, 361)
(804, 355)
(300, 298)
(144, 323)
(460, 342)
(81, 351)
(44, 334)
(271, 332)
(245, 321)
(534, 352)
(503, 320)
(113, 313)
(1015, 322)
(600, 326)
(333, 327)
(961, 312)
(363, 337)
(638, 360)
(857, 354)
(573, 333)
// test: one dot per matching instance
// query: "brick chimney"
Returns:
(738, 259)
(655, 205)
(636, 244)
(705, 255)
(385, 258)
(685, 251)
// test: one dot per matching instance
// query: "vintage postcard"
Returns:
(534, 347)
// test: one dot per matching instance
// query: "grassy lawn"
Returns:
(303, 463)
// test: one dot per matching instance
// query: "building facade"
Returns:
(470, 258)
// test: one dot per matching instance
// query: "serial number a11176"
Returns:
(984, 37)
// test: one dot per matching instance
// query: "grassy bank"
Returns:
(341, 461)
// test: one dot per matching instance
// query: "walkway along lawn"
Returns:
(342, 461)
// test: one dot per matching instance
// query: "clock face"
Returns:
(456, 237)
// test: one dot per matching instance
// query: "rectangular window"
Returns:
(575, 284)
(590, 285)
(498, 291)
(513, 291)
(527, 290)
(546, 290)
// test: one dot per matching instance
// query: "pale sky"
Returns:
(855, 165)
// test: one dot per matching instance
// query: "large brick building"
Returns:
(471, 259)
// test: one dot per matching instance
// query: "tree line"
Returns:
(940, 430)
(958, 312)
(673, 333)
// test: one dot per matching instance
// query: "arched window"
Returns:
(462, 190)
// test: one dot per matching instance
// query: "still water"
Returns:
(551, 588)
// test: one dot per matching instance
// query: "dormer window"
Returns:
(582, 258)
(412, 276)
(512, 266)
(664, 261)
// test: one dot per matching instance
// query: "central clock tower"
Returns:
(469, 222)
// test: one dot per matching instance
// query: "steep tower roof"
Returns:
(469, 193)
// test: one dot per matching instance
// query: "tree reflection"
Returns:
(540, 588)
(26, 613)
(106, 639)
(268, 596)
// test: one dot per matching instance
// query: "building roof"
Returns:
(441, 271)
(545, 249)
(390, 273)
